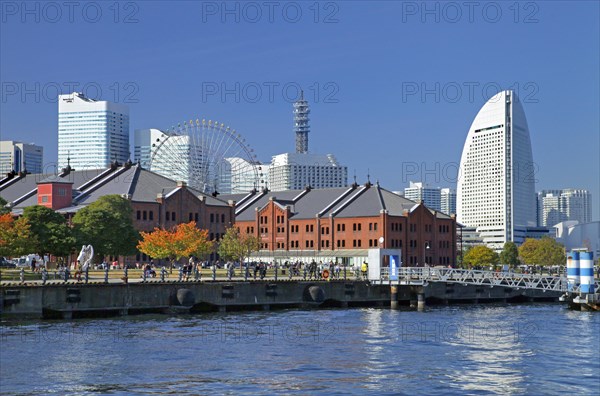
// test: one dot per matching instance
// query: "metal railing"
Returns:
(422, 275)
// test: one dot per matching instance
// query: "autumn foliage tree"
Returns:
(14, 236)
(189, 241)
(157, 244)
(185, 240)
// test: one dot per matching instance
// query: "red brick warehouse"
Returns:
(301, 223)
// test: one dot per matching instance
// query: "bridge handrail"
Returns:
(481, 277)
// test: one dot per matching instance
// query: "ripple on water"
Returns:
(503, 349)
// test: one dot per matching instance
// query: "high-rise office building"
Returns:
(91, 133)
(556, 206)
(495, 191)
(418, 191)
(20, 157)
(289, 171)
(448, 201)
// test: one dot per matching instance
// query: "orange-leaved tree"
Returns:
(14, 236)
(157, 244)
(184, 240)
(191, 241)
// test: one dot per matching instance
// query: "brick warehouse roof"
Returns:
(347, 202)
(141, 185)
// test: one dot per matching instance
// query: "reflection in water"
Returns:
(522, 349)
(490, 353)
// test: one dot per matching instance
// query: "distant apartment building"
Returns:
(20, 157)
(417, 191)
(556, 206)
(441, 199)
(91, 133)
(294, 171)
(448, 201)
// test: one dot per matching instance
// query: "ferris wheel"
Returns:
(208, 156)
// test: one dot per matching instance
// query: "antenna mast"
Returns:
(301, 127)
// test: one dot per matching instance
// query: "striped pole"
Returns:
(572, 270)
(586, 272)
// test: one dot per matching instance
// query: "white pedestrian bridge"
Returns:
(424, 275)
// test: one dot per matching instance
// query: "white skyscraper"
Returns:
(448, 201)
(20, 157)
(91, 133)
(431, 196)
(555, 206)
(496, 185)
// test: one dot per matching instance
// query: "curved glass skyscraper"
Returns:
(496, 185)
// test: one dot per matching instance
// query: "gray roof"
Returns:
(353, 201)
(27, 185)
(88, 185)
(18, 187)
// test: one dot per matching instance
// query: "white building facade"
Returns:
(496, 185)
(91, 133)
(20, 157)
(575, 235)
(555, 206)
(295, 171)
(145, 142)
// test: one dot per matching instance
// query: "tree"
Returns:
(481, 255)
(3, 208)
(510, 254)
(185, 240)
(460, 259)
(528, 251)
(545, 251)
(14, 236)
(191, 241)
(107, 224)
(237, 246)
(49, 231)
(157, 244)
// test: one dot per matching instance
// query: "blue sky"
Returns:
(393, 86)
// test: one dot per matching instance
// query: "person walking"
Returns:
(364, 269)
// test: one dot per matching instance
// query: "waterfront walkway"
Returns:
(135, 276)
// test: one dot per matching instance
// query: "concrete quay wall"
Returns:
(73, 300)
